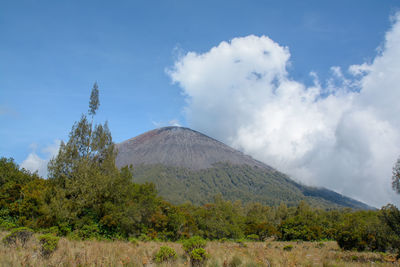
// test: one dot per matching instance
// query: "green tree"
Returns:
(391, 216)
(396, 176)
(94, 102)
(88, 188)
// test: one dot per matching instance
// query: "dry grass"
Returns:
(118, 253)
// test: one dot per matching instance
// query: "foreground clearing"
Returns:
(118, 253)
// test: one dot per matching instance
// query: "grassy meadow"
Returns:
(122, 253)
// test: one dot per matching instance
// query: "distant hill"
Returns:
(187, 165)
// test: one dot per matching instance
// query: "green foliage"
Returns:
(89, 231)
(144, 238)
(241, 243)
(48, 243)
(19, 235)
(253, 237)
(391, 216)
(179, 185)
(133, 240)
(305, 224)
(198, 256)
(192, 243)
(235, 261)
(364, 230)
(350, 240)
(165, 254)
(220, 219)
(22, 195)
(94, 102)
(288, 247)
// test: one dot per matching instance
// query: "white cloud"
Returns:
(173, 122)
(34, 162)
(344, 136)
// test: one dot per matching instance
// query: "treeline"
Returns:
(87, 196)
(116, 208)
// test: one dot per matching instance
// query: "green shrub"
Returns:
(193, 243)
(64, 229)
(133, 240)
(253, 237)
(235, 262)
(21, 234)
(198, 256)
(89, 231)
(223, 240)
(7, 225)
(144, 238)
(52, 230)
(350, 240)
(48, 243)
(288, 248)
(241, 243)
(165, 254)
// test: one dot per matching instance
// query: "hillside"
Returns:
(187, 165)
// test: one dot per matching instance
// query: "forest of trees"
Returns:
(86, 196)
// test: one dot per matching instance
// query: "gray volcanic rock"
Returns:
(179, 147)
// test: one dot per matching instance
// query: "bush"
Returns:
(193, 243)
(22, 235)
(48, 244)
(6, 224)
(235, 262)
(52, 230)
(253, 237)
(198, 256)
(90, 231)
(64, 229)
(165, 254)
(241, 243)
(350, 240)
(133, 240)
(288, 248)
(144, 238)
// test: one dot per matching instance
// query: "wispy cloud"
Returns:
(173, 122)
(38, 161)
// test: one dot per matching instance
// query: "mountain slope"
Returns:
(179, 147)
(186, 165)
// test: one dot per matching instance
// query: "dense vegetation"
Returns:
(247, 183)
(87, 197)
(111, 206)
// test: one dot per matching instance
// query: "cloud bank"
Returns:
(35, 162)
(343, 135)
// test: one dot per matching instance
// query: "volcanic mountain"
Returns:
(186, 165)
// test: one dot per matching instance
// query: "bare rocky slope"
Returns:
(186, 165)
(179, 147)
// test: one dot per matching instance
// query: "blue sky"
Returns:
(51, 52)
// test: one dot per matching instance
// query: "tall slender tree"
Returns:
(84, 172)
(94, 102)
(396, 176)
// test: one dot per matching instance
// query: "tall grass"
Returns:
(119, 253)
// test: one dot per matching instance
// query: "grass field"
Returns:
(118, 253)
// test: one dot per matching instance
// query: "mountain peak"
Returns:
(179, 147)
(186, 165)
